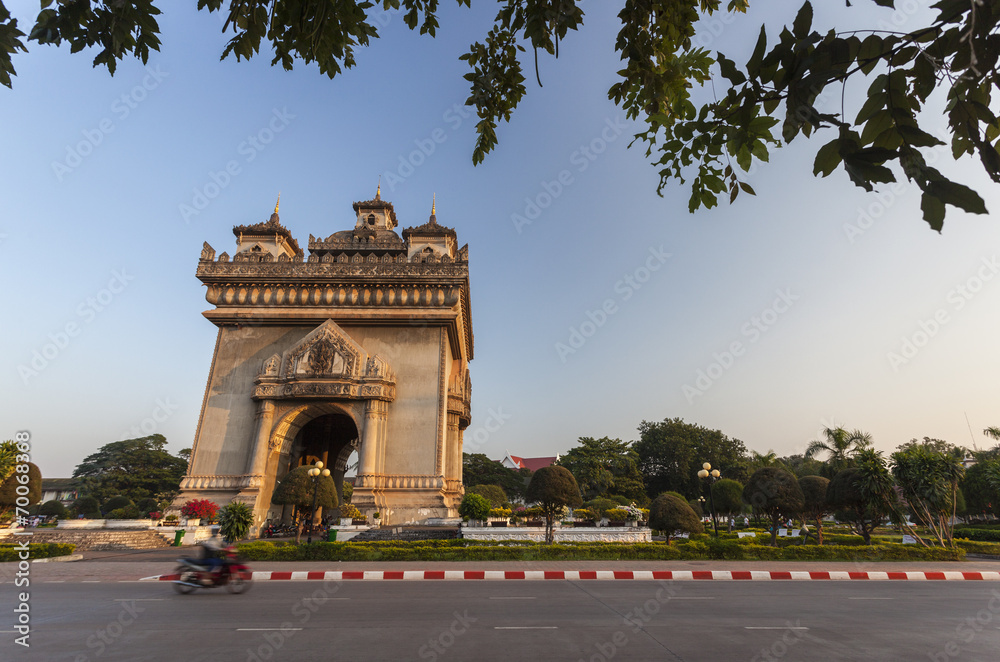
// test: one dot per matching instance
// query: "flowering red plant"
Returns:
(200, 508)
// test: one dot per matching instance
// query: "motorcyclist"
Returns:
(213, 553)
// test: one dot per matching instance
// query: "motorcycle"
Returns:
(234, 574)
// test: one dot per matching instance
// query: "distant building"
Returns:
(59, 489)
(531, 463)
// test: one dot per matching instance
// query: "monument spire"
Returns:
(434, 208)
(378, 191)
(274, 217)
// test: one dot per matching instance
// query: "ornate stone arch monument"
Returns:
(363, 346)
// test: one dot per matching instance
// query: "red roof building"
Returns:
(531, 463)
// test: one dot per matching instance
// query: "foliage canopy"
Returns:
(671, 452)
(297, 489)
(775, 493)
(605, 466)
(766, 101)
(670, 514)
(134, 468)
(553, 488)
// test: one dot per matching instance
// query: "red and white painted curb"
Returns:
(640, 575)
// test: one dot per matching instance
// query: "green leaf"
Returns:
(957, 195)
(827, 158)
(728, 69)
(803, 21)
(933, 210)
(753, 64)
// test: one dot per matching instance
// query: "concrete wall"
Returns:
(225, 439)
(414, 353)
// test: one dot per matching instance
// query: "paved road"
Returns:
(591, 621)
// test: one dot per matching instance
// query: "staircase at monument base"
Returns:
(99, 540)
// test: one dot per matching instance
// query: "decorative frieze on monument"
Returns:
(361, 346)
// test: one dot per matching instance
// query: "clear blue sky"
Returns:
(94, 234)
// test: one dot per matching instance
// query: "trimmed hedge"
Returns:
(39, 550)
(974, 547)
(979, 534)
(467, 550)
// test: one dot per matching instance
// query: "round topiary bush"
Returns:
(87, 506)
(474, 507)
(147, 506)
(52, 508)
(668, 513)
(129, 512)
(492, 493)
(116, 503)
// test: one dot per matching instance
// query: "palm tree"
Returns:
(761, 460)
(840, 444)
(992, 432)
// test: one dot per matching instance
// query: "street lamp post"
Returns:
(316, 471)
(713, 475)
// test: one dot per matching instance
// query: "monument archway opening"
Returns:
(331, 439)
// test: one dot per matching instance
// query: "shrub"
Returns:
(669, 513)
(465, 550)
(87, 506)
(129, 512)
(474, 507)
(600, 504)
(500, 512)
(972, 547)
(728, 496)
(814, 501)
(235, 520)
(114, 503)
(35, 550)
(978, 533)
(347, 493)
(9, 487)
(200, 509)
(492, 493)
(297, 488)
(148, 505)
(349, 511)
(616, 514)
(52, 508)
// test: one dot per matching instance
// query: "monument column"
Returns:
(453, 454)
(369, 443)
(265, 419)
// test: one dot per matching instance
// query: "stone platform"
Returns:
(537, 534)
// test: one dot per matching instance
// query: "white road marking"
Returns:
(265, 629)
(871, 598)
(138, 599)
(783, 627)
(55, 581)
(91, 581)
(526, 627)
(691, 597)
(512, 597)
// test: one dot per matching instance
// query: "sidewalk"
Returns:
(135, 565)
